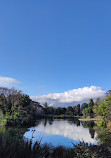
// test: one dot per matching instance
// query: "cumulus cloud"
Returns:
(7, 82)
(71, 97)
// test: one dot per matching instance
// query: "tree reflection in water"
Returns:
(104, 135)
(90, 125)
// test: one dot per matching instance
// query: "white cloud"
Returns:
(62, 128)
(71, 97)
(7, 82)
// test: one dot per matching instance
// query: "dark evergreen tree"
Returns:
(90, 108)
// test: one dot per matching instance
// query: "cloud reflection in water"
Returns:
(60, 132)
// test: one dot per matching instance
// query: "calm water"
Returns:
(62, 132)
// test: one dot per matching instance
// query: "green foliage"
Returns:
(103, 110)
(24, 101)
(85, 112)
(84, 106)
(104, 135)
(87, 109)
(17, 108)
(12, 145)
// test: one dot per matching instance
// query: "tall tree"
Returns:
(83, 106)
(78, 109)
(90, 108)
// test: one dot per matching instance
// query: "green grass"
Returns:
(88, 119)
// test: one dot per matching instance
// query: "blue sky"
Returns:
(55, 46)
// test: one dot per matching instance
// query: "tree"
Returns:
(103, 109)
(74, 111)
(83, 106)
(24, 101)
(17, 108)
(8, 98)
(69, 110)
(108, 93)
(45, 105)
(3, 103)
(90, 108)
(85, 112)
(78, 109)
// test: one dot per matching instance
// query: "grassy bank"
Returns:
(88, 119)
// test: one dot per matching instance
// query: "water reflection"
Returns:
(62, 132)
(89, 125)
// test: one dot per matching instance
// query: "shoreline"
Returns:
(88, 119)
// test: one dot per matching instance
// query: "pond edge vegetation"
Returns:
(17, 109)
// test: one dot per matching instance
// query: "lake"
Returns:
(62, 132)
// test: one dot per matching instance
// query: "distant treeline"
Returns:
(71, 110)
(83, 110)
